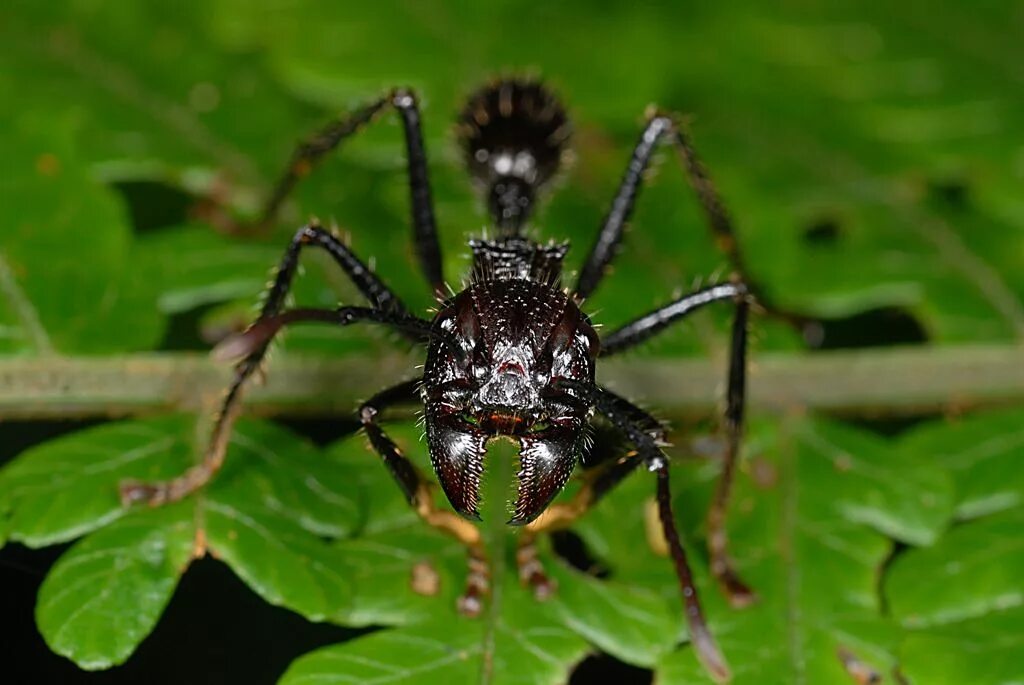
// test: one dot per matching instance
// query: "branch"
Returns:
(887, 381)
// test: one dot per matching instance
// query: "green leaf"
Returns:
(804, 528)
(961, 603)
(533, 648)
(105, 595)
(185, 102)
(984, 650)
(982, 453)
(975, 569)
(265, 515)
(960, 599)
(905, 498)
(628, 621)
(66, 281)
(67, 487)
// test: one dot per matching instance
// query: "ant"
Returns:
(512, 354)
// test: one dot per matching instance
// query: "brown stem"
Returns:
(897, 381)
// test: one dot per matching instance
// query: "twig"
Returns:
(899, 381)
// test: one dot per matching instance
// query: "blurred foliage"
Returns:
(871, 155)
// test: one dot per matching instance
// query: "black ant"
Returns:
(512, 354)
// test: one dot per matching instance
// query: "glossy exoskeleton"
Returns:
(513, 354)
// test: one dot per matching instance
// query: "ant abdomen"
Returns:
(514, 134)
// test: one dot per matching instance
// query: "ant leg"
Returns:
(368, 284)
(659, 127)
(650, 324)
(307, 154)
(605, 246)
(312, 234)
(251, 346)
(418, 493)
(636, 423)
(738, 592)
(640, 329)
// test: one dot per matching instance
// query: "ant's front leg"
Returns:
(251, 346)
(636, 424)
(418, 492)
(379, 295)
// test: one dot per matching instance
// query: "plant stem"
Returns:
(890, 381)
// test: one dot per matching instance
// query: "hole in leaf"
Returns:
(184, 331)
(824, 232)
(573, 549)
(323, 431)
(602, 668)
(898, 550)
(153, 205)
(892, 426)
(950, 192)
(873, 328)
(17, 436)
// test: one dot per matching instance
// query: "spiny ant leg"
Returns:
(307, 154)
(251, 345)
(644, 327)
(159, 493)
(663, 126)
(478, 580)
(156, 494)
(379, 295)
(739, 593)
(701, 638)
(404, 472)
(648, 325)
(376, 292)
(418, 493)
(623, 413)
(531, 570)
(636, 424)
(603, 250)
(256, 338)
(310, 151)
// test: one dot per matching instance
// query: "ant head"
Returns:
(509, 387)
(514, 134)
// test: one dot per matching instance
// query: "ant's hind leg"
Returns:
(670, 128)
(379, 295)
(251, 346)
(308, 153)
